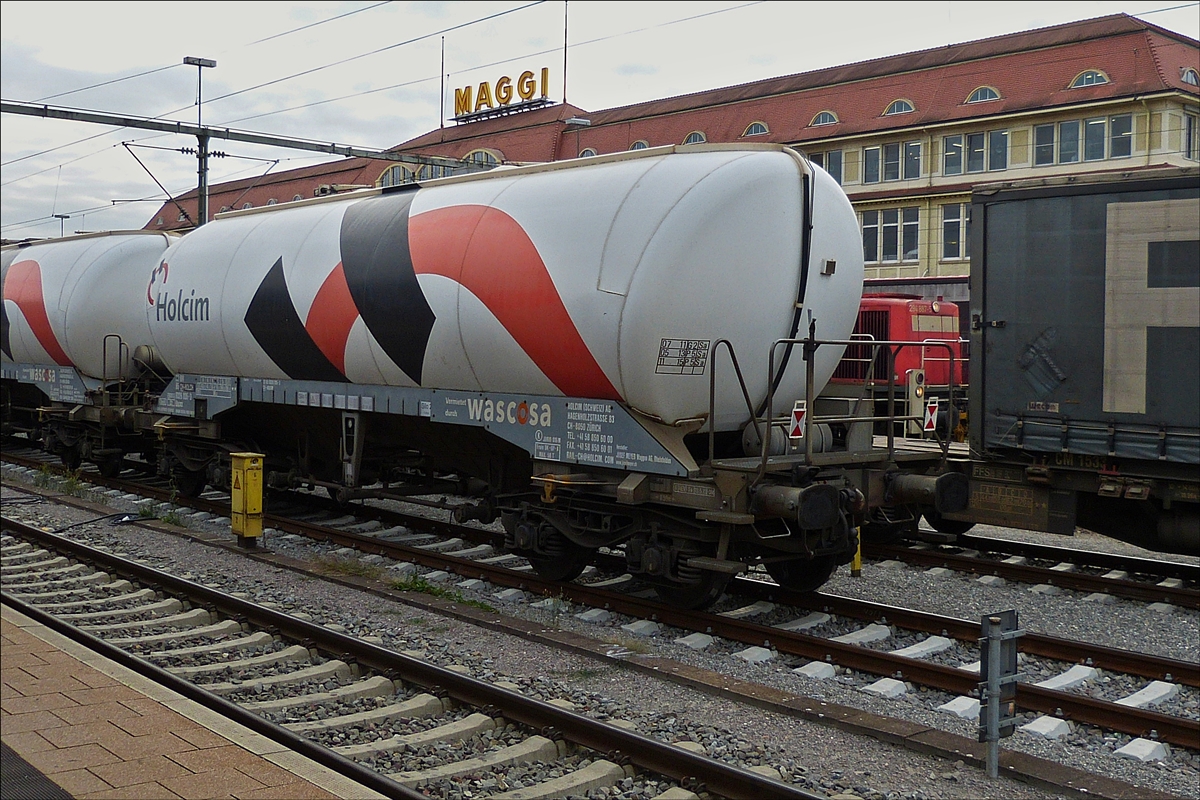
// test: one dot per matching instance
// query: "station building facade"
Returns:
(907, 136)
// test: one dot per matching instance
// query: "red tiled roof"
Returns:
(1030, 70)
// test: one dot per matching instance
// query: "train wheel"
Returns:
(111, 467)
(694, 595)
(71, 457)
(189, 483)
(802, 574)
(943, 525)
(563, 559)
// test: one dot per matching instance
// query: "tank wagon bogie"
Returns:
(551, 343)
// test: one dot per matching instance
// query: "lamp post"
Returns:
(62, 224)
(202, 139)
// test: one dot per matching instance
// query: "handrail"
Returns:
(712, 394)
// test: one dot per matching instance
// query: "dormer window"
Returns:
(1190, 76)
(899, 107)
(983, 94)
(640, 144)
(756, 129)
(587, 152)
(1091, 77)
(695, 137)
(824, 118)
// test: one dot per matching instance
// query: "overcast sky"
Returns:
(619, 53)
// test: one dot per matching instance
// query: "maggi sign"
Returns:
(489, 97)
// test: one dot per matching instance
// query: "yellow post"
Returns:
(246, 496)
(856, 564)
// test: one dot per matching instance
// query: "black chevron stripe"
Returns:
(277, 328)
(379, 274)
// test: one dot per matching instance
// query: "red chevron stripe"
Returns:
(23, 285)
(331, 317)
(489, 254)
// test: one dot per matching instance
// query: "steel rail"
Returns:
(1110, 658)
(1084, 709)
(293, 741)
(648, 753)
(1083, 558)
(1146, 592)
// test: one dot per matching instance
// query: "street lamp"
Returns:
(62, 224)
(202, 139)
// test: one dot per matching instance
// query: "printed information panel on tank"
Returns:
(598, 433)
(682, 356)
(61, 384)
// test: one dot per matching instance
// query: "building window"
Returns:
(695, 137)
(997, 150)
(396, 175)
(587, 152)
(891, 234)
(432, 171)
(953, 161)
(1068, 142)
(830, 161)
(1191, 137)
(871, 165)
(182, 217)
(824, 118)
(487, 158)
(976, 152)
(956, 230)
(756, 129)
(1190, 75)
(899, 107)
(247, 205)
(891, 162)
(983, 94)
(297, 197)
(1043, 145)
(158, 221)
(272, 201)
(1091, 77)
(1120, 136)
(1093, 139)
(912, 160)
(870, 231)
(640, 144)
(223, 209)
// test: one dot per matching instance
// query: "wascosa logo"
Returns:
(174, 309)
(484, 409)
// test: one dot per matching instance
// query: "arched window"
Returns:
(640, 144)
(432, 171)
(1091, 77)
(587, 152)
(223, 209)
(247, 205)
(899, 107)
(756, 129)
(824, 118)
(1190, 76)
(272, 201)
(158, 221)
(695, 137)
(395, 175)
(297, 197)
(488, 158)
(983, 94)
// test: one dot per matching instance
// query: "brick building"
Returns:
(907, 136)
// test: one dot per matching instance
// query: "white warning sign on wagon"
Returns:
(796, 427)
(931, 410)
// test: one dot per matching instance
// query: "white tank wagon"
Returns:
(64, 298)
(606, 280)
(540, 339)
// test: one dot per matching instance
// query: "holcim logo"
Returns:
(177, 308)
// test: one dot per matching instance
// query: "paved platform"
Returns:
(99, 730)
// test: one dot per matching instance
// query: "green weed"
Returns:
(423, 586)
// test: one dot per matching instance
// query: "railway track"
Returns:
(268, 662)
(792, 631)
